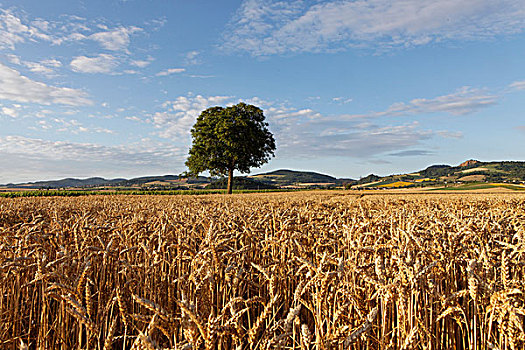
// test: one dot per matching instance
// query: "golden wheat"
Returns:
(310, 270)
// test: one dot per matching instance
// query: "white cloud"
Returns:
(35, 159)
(102, 63)
(463, 101)
(299, 133)
(342, 100)
(117, 39)
(450, 134)
(45, 67)
(51, 63)
(140, 63)
(518, 85)
(200, 76)
(15, 29)
(182, 112)
(12, 31)
(274, 27)
(334, 137)
(170, 71)
(11, 112)
(14, 59)
(68, 125)
(411, 153)
(192, 58)
(16, 87)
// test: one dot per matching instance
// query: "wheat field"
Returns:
(308, 270)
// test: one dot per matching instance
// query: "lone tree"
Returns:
(228, 139)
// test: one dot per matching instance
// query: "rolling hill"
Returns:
(470, 171)
(291, 178)
(173, 181)
(440, 175)
(275, 179)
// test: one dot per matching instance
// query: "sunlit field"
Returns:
(304, 270)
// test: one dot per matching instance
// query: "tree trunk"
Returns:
(230, 180)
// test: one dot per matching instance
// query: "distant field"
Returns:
(78, 193)
(482, 186)
(303, 270)
(396, 184)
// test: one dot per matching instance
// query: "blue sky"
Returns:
(111, 88)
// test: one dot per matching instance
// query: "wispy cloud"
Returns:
(450, 134)
(142, 63)
(117, 39)
(192, 58)
(333, 136)
(16, 29)
(34, 159)
(299, 132)
(170, 71)
(102, 63)
(518, 85)
(10, 111)
(411, 153)
(68, 125)
(181, 114)
(342, 100)
(465, 100)
(276, 27)
(13, 31)
(16, 87)
(45, 67)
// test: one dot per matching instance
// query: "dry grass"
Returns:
(397, 184)
(290, 271)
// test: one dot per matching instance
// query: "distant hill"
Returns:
(470, 171)
(145, 181)
(166, 180)
(438, 175)
(241, 183)
(67, 183)
(274, 179)
(368, 179)
(286, 177)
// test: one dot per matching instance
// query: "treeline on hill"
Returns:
(366, 179)
(517, 169)
(241, 183)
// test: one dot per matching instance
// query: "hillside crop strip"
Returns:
(262, 271)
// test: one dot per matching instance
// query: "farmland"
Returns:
(299, 270)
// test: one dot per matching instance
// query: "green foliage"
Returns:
(368, 179)
(241, 183)
(232, 138)
(514, 169)
(290, 177)
(437, 171)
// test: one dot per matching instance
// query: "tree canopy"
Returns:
(228, 139)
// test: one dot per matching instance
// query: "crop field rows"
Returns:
(321, 270)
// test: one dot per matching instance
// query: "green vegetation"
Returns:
(291, 177)
(368, 179)
(228, 139)
(241, 183)
(437, 171)
(69, 193)
(470, 173)
(480, 186)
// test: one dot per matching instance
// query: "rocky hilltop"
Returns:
(469, 162)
